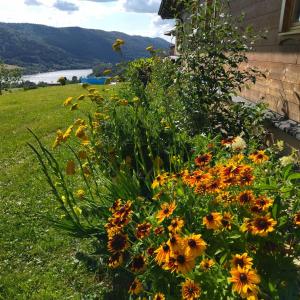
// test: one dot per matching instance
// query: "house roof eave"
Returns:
(166, 9)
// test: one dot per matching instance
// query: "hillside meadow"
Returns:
(36, 261)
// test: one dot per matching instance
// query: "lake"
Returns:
(51, 77)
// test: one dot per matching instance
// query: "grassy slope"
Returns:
(36, 261)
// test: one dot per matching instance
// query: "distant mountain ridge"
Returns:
(44, 48)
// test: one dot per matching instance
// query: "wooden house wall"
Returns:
(278, 58)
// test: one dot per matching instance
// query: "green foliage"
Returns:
(212, 53)
(9, 76)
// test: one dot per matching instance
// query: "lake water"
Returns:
(51, 77)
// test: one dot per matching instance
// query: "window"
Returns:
(290, 17)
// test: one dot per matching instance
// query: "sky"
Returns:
(134, 17)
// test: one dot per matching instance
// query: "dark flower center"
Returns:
(245, 198)
(225, 222)
(173, 240)
(138, 262)
(181, 259)
(210, 217)
(262, 224)
(166, 211)
(240, 262)
(192, 243)
(166, 248)
(118, 242)
(243, 278)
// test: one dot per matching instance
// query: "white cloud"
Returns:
(65, 6)
(32, 2)
(142, 6)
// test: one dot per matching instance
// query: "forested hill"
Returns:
(43, 48)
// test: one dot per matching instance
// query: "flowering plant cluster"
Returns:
(222, 224)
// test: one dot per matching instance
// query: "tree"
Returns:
(8, 76)
(62, 80)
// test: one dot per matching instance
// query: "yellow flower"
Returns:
(68, 101)
(79, 122)
(162, 254)
(194, 245)
(297, 218)
(176, 225)
(242, 260)
(206, 264)
(116, 260)
(159, 296)
(244, 280)
(183, 262)
(160, 180)
(261, 225)
(259, 157)
(213, 221)
(59, 139)
(67, 133)
(190, 290)
(166, 211)
(117, 243)
(81, 97)
(138, 263)
(70, 168)
(80, 194)
(136, 287)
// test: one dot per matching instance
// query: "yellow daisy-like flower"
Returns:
(136, 287)
(206, 264)
(162, 254)
(159, 296)
(227, 220)
(246, 197)
(143, 230)
(213, 221)
(118, 243)
(176, 225)
(115, 260)
(183, 262)
(242, 261)
(70, 168)
(297, 218)
(138, 263)
(175, 243)
(259, 157)
(262, 225)
(244, 280)
(190, 290)
(160, 180)
(68, 101)
(194, 245)
(203, 160)
(166, 211)
(262, 203)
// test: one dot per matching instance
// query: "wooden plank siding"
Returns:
(279, 58)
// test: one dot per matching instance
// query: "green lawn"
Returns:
(36, 260)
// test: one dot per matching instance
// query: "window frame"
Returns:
(287, 25)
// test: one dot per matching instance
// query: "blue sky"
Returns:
(135, 17)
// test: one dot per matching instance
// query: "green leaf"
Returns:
(275, 210)
(294, 176)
